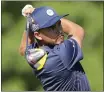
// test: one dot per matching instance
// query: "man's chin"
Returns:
(59, 42)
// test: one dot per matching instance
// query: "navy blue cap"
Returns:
(45, 16)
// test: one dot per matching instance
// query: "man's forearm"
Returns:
(23, 42)
(73, 29)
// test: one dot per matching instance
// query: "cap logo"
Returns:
(50, 12)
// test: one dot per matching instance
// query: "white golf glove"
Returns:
(24, 10)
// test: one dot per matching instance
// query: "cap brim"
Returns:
(52, 21)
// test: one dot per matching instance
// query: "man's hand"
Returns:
(28, 9)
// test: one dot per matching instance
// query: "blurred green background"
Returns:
(18, 75)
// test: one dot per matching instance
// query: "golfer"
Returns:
(55, 61)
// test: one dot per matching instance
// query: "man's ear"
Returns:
(37, 35)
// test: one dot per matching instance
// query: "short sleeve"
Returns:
(31, 46)
(70, 53)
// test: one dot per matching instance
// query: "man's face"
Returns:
(51, 35)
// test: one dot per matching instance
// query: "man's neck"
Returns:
(41, 44)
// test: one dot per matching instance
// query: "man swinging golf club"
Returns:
(55, 61)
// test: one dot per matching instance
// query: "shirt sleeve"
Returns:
(31, 46)
(70, 53)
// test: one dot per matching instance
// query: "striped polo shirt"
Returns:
(62, 70)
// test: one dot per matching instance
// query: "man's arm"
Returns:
(25, 11)
(73, 29)
(23, 42)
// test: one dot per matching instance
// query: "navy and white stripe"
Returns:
(62, 70)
